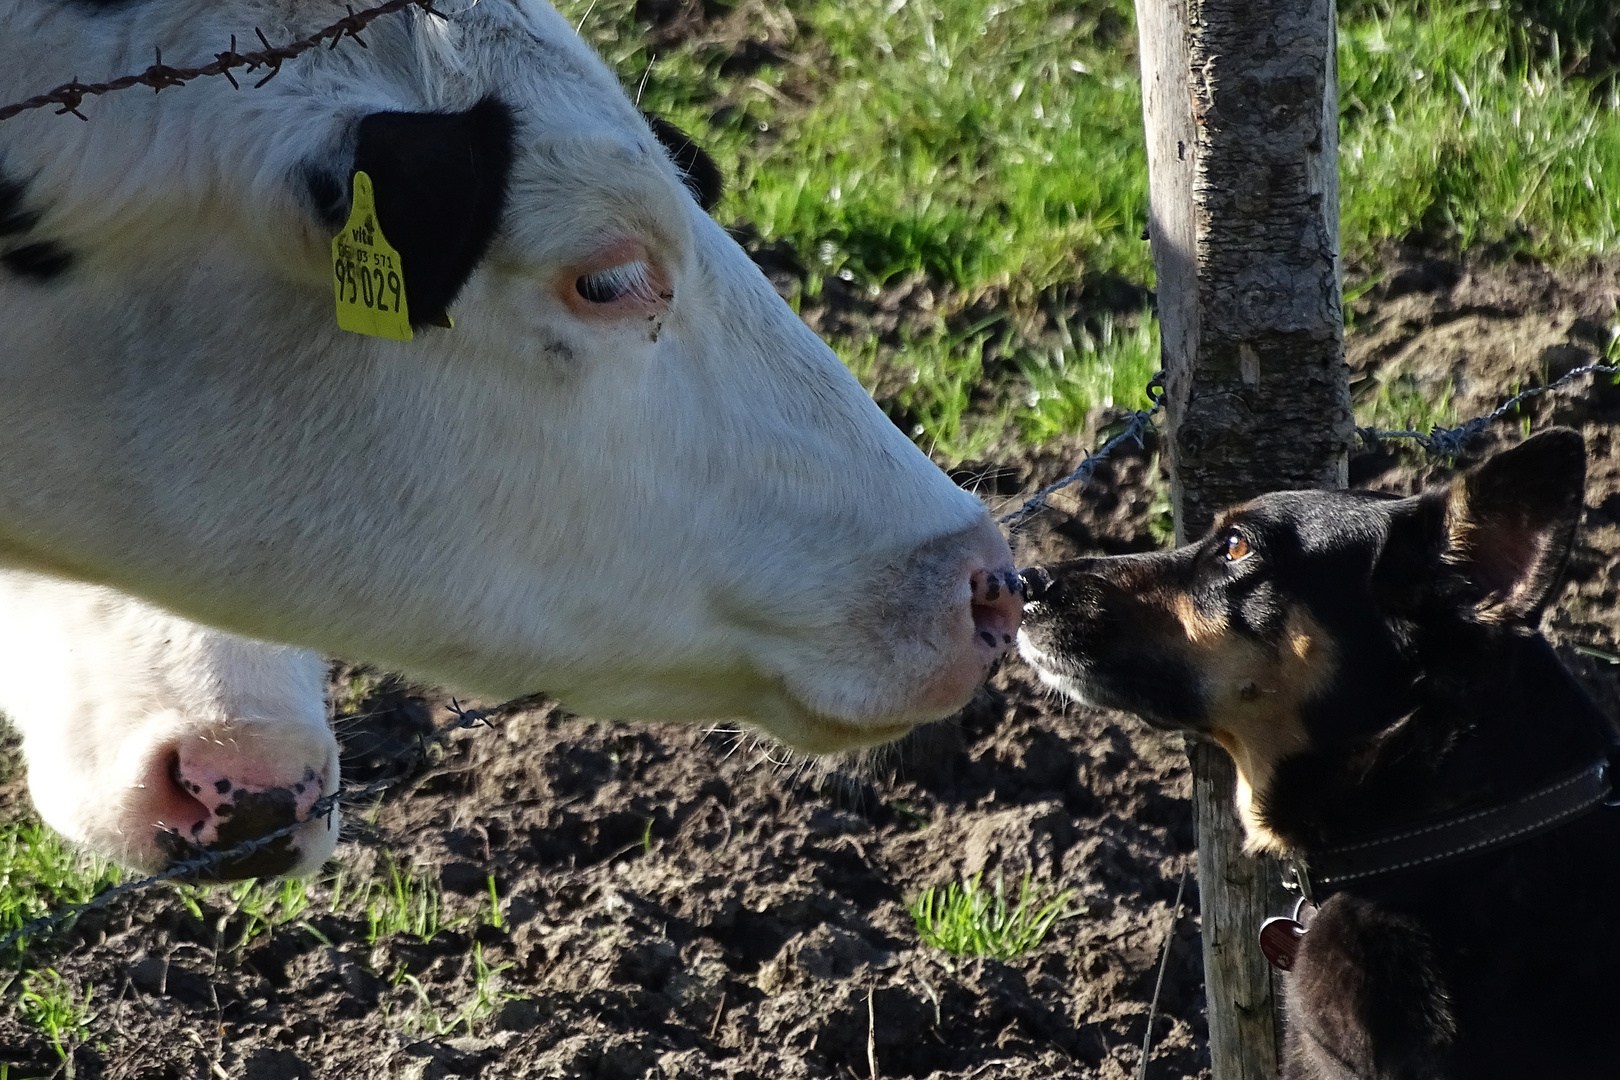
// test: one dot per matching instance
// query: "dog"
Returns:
(1406, 739)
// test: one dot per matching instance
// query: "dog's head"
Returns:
(1306, 620)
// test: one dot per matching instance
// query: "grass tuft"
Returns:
(1085, 371)
(41, 872)
(485, 997)
(406, 902)
(57, 1008)
(968, 920)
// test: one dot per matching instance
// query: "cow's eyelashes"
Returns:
(624, 280)
(630, 281)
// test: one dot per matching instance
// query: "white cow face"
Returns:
(629, 476)
(147, 736)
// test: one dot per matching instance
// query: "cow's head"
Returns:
(629, 476)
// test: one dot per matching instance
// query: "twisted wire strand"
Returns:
(70, 95)
(1136, 430)
(1442, 442)
(1450, 443)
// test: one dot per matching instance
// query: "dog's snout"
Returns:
(1037, 583)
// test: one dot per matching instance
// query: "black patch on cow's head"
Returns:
(42, 261)
(14, 216)
(441, 183)
(698, 169)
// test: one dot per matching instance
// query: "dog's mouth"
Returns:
(1157, 693)
(1063, 674)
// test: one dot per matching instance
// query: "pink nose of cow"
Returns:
(998, 607)
(216, 800)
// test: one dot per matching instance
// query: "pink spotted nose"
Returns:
(988, 607)
(219, 797)
(998, 607)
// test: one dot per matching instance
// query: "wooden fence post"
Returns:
(1240, 99)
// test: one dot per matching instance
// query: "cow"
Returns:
(610, 464)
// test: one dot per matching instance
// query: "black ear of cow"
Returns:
(702, 175)
(440, 181)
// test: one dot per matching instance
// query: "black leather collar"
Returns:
(1470, 833)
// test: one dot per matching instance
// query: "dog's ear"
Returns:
(440, 182)
(701, 174)
(1509, 522)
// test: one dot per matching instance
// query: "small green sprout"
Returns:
(968, 920)
(407, 903)
(53, 1005)
(495, 906)
(480, 1005)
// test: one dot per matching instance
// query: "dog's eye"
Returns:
(1236, 547)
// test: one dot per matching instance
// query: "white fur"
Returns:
(701, 517)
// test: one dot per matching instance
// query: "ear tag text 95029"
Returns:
(367, 272)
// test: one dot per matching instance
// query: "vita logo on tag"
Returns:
(368, 273)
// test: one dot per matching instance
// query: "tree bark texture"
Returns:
(1240, 99)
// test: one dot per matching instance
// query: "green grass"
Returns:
(247, 910)
(1401, 403)
(404, 902)
(58, 1008)
(967, 919)
(1451, 133)
(40, 872)
(424, 1016)
(994, 148)
(979, 141)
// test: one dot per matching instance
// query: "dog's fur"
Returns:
(1369, 662)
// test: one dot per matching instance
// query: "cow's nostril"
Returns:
(1037, 583)
(183, 809)
(998, 608)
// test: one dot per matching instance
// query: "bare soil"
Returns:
(681, 903)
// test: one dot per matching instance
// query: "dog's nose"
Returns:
(1037, 583)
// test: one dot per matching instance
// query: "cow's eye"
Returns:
(631, 281)
(1236, 547)
(624, 280)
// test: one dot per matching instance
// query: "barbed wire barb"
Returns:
(1136, 430)
(1453, 442)
(159, 76)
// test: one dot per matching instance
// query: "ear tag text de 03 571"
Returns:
(368, 274)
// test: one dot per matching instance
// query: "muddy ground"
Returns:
(686, 903)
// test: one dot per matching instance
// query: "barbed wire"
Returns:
(1441, 442)
(206, 862)
(70, 95)
(1136, 429)
(1453, 442)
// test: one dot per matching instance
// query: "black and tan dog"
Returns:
(1408, 739)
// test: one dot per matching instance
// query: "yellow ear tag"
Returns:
(368, 273)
